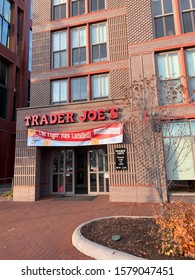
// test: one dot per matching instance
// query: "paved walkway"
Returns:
(43, 230)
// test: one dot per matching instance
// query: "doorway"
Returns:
(80, 170)
(62, 172)
(81, 185)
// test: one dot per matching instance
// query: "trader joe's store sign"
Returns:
(71, 117)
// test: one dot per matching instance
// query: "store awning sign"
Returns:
(108, 134)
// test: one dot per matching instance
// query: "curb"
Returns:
(98, 251)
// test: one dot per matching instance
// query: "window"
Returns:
(19, 30)
(169, 78)
(188, 15)
(163, 18)
(78, 7)
(15, 95)
(59, 49)
(59, 9)
(5, 20)
(99, 86)
(98, 41)
(79, 89)
(190, 63)
(96, 5)
(78, 45)
(59, 91)
(3, 88)
(30, 51)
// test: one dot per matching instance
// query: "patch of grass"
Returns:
(8, 194)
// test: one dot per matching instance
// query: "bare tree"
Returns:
(160, 143)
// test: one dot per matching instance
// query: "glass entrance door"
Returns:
(98, 180)
(62, 172)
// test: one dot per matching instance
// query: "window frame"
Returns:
(191, 10)
(5, 88)
(170, 80)
(60, 51)
(60, 101)
(60, 6)
(99, 44)
(79, 47)
(163, 15)
(78, 8)
(190, 77)
(98, 4)
(7, 21)
(73, 100)
(101, 89)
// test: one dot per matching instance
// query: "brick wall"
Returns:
(41, 12)
(41, 52)
(40, 93)
(118, 80)
(113, 4)
(117, 34)
(139, 21)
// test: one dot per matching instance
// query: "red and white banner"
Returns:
(109, 134)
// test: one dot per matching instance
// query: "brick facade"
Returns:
(131, 48)
(16, 57)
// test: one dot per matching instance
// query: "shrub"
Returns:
(177, 229)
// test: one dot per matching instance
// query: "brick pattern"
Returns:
(26, 175)
(139, 21)
(113, 4)
(118, 79)
(150, 154)
(41, 52)
(117, 34)
(141, 66)
(163, 44)
(40, 93)
(119, 177)
(41, 12)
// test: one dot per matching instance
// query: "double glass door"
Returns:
(79, 171)
(63, 171)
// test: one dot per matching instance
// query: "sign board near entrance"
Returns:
(108, 134)
(121, 159)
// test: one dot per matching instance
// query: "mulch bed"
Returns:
(138, 236)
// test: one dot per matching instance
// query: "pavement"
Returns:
(42, 230)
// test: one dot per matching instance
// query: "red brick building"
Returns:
(15, 25)
(84, 52)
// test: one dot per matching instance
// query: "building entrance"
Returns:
(79, 171)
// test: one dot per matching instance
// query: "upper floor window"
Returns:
(5, 20)
(3, 88)
(98, 42)
(190, 59)
(95, 5)
(168, 69)
(78, 45)
(78, 7)
(188, 15)
(163, 18)
(99, 86)
(59, 49)
(79, 89)
(19, 30)
(59, 91)
(59, 9)
(30, 51)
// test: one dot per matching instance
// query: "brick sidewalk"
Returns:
(43, 230)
